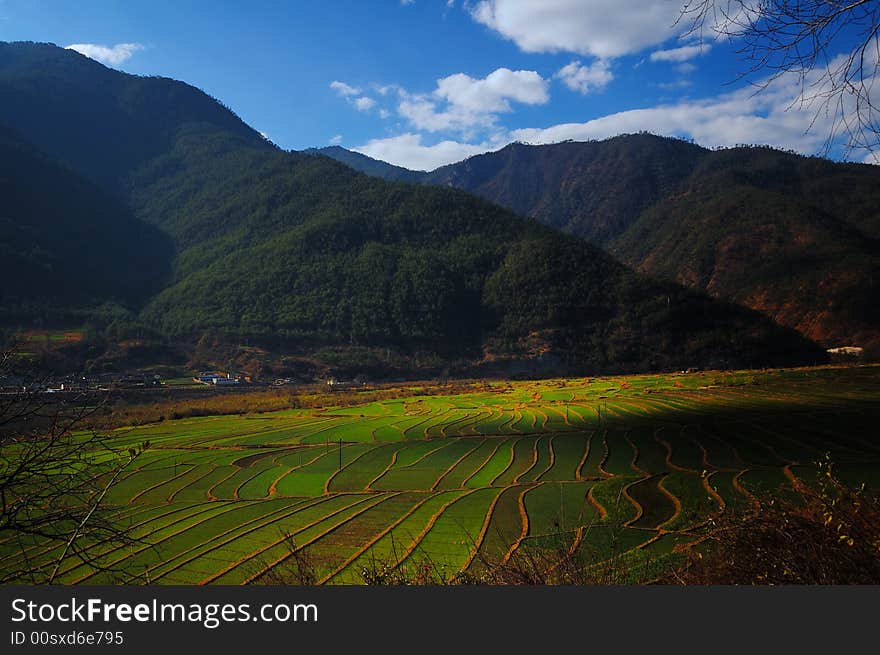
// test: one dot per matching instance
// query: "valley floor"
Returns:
(627, 469)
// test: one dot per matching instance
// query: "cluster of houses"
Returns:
(220, 378)
(847, 351)
(334, 384)
(846, 354)
(79, 383)
(108, 381)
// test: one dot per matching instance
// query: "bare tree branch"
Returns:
(831, 49)
(54, 481)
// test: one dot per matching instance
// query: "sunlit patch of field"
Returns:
(624, 467)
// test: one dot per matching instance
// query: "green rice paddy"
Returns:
(618, 466)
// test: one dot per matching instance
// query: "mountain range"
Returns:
(181, 224)
(793, 237)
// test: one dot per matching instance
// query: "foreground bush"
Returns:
(825, 533)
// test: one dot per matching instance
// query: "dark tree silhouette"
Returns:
(55, 476)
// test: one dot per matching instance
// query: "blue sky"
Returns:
(421, 83)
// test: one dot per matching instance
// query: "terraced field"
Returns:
(624, 467)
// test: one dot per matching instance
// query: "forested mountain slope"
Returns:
(299, 253)
(793, 237)
(65, 245)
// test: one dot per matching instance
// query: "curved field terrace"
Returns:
(624, 467)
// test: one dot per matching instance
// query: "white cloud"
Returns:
(770, 116)
(492, 93)
(335, 140)
(422, 112)
(364, 103)
(407, 150)
(385, 89)
(601, 28)
(111, 55)
(686, 68)
(343, 89)
(463, 103)
(584, 79)
(681, 54)
(774, 115)
(384, 113)
(733, 18)
(407, 2)
(347, 91)
(677, 84)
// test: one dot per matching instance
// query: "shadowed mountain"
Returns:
(65, 245)
(308, 251)
(299, 253)
(793, 237)
(368, 165)
(101, 122)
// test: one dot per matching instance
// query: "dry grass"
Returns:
(828, 534)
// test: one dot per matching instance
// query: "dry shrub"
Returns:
(826, 533)
(551, 563)
(298, 568)
(554, 562)
(421, 571)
